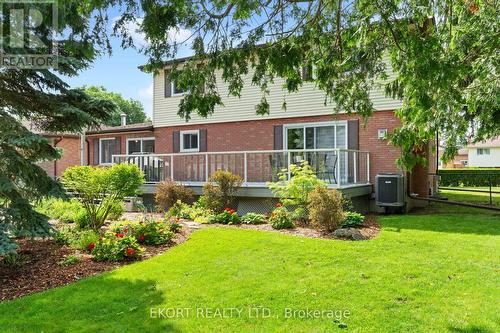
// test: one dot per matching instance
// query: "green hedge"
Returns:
(469, 177)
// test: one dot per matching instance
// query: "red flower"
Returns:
(90, 246)
(125, 230)
(119, 235)
(130, 251)
(141, 238)
(278, 205)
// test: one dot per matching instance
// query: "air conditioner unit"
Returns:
(389, 190)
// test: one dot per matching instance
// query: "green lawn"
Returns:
(472, 197)
(423, 273)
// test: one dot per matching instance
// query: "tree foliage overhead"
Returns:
(445, 54)
(131, 107)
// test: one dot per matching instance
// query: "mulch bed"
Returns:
(39, 270)
(370, 229)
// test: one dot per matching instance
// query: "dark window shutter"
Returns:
(95, 146)
(118, 145)
(352, 143)
(176, 141)
(278, 137)
(203, 140)
(168, 87)
(353, 134)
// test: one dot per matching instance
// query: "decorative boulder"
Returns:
(349, 233)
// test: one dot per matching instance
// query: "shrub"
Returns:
(469, 177)
(253, 218)
(168, 193)
(68, 261)
(352, 220)
(150, 232)
(115, 247)
(100, 188)
(63, 210)
(325, 208)
(116, 211)
(228, 216)
(81, 239)
(294, 192)
(64, 236)
(174, 226)
(198, 209)
(281, 218)
(179, 209)
(221, 190)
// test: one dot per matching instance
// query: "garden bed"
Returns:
(38, 266)
(369, 229)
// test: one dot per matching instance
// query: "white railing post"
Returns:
(172, 167)
(368, 167)
(245, 168)
(206, 168)
(355, 166)
(338, 167)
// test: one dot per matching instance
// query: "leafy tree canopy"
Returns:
(445, 54)
(132, 108)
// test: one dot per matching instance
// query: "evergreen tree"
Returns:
(42, 98)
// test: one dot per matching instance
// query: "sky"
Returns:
(119, 71)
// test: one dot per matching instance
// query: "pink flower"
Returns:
(278, 205)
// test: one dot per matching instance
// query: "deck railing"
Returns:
(338, 167)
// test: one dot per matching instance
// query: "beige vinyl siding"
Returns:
(308, 101)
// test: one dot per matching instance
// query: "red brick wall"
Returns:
(259, 135)
(122, 136)
(70, 154)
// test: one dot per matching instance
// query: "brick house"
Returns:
(343, 150)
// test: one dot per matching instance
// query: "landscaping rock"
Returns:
(349, 233)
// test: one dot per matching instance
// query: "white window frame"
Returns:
(100, 151)
(172, 89)
(286, 127)
(139, 139)
(484, 151)
(181, 141)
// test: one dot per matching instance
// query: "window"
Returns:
(140, 146)
(190, 141)
(316, 136)
(106, 149)
(176, 90)
(483, 151)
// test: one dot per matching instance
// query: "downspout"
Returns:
(56, 141)
(88, 151)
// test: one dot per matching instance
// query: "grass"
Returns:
(471, 197)
(424, 273)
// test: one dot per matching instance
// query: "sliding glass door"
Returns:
(328, 135)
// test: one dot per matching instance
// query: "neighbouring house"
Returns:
(461, 160)
(484, 154)
(68, 143)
